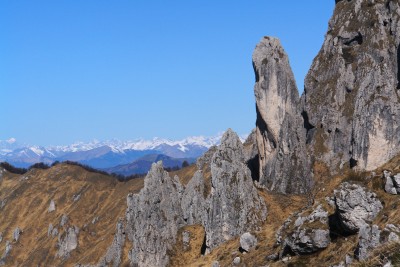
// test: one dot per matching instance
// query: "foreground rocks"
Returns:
(392, 183)
(305, 234)
(355, 207)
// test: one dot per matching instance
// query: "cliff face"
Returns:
(349, 113)
(351, 93)
(280, 136)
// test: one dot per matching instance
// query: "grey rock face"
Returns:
(68, 242)
(248, 241)
(355, 206)
(390, 233)
(281, 138)
(186, 240)
(52, 206)
(309, 233)
(351, 92)
(194, 201)
(231, 207)
(368, 240)
(50, 229)
(17, 233)
(64, 220)
(54, 232)
(235, 206)
(114, 252)
(392, 183)
(154, 217)
(7, 251)
(250, 146)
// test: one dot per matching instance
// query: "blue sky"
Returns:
(79, 70)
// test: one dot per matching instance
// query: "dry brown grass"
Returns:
(28, 197)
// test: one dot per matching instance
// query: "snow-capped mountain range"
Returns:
(105, 154)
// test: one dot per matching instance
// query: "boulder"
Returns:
(248, 241)
(308, 233)
(355, 206)
(392, 183)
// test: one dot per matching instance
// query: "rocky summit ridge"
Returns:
(315, 184)
(348, 115)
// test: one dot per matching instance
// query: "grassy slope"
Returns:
(28, 198)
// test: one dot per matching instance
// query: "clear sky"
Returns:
(79, 70)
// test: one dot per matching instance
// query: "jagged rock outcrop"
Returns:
(68, 242)
(281, 137)
(114, 252)
(307, 234)
(154, 217)
(351, 95)
(235, 206)
(231, 207)
(355, 207)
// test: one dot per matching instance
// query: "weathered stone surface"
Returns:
(281, 137)
(68, 242)
(17, 233)
(194, 201)
(114, 252)
(52, 206)
(351, 92)
(392, 183)
(64, 220)
(186, 240)
(50, 229)
(7, 251)
(248, 241)
(308, 233)
(229, 208)
(235, 206)
(368, 239)
(391, 233)
(355, 206)
(236, 261)
(154, 217)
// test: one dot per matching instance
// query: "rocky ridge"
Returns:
(240, 205)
